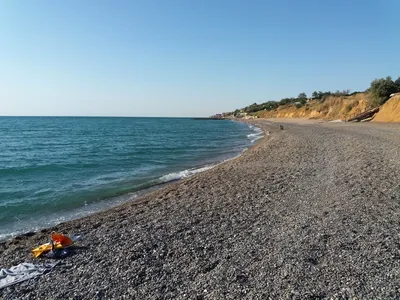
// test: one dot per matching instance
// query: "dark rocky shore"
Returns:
(311, 212)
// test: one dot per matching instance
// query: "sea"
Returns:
(54, 169)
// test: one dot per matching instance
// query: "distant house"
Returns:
(217, 116)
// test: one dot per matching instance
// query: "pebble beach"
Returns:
(309, 212)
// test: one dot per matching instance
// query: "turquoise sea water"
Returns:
(53, 169)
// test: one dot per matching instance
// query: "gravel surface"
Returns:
(311, 212)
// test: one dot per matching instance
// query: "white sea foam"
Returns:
(252, 134)
(53, 219)
(257, 138)
(5, 236)
(183, 174)
(258, 134)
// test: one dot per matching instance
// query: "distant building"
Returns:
(217, 116)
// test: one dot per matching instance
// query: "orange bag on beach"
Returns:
(58, 241)
(61, 239)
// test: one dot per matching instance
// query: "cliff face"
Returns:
(331, 109)
(390, 111)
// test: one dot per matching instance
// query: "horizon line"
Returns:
(78, 116)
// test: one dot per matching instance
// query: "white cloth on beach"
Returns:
(21, 273)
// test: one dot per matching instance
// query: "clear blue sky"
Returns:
(187, 58)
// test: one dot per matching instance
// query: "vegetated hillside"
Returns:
(334, 107)
(390, 111)
(328, 105)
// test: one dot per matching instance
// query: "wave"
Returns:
(258, 134)
(252, 134)
(257, 138)
(54, 217)
(183, 174)
(30, 169)
(34, 224)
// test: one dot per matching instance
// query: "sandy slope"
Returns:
(390, 111)
(334, 107)
(311, 212)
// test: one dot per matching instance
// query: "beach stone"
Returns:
(309, 212)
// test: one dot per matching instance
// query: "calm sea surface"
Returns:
(53, 169)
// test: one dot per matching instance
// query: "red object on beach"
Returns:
(61, 239)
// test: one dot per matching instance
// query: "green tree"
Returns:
(342, 93)
(302, 96)
(285, 101)
(314, 95)
(380, 90)
(397, 83)
(270, 105)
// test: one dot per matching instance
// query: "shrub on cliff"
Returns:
(321, 96)
(302, 96)
(397, 82)
(286, 101)
(380, 90)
